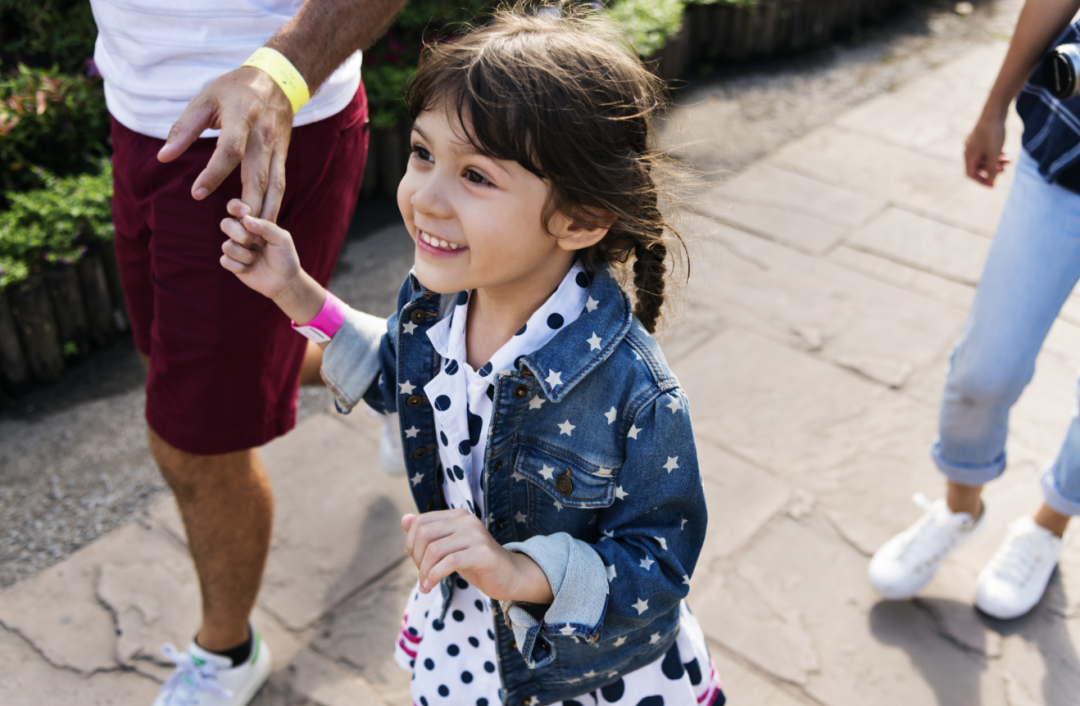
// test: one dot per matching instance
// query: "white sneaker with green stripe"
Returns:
(204, 678)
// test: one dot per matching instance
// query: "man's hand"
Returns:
(255, 119)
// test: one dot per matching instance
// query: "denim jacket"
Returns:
(1052, 126)
(590, 469)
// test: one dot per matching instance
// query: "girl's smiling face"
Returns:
(478, 222)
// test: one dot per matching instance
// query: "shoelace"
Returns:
(921, 544)
(189, 678)
(1018, 558)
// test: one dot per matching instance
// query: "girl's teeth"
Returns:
(437, 242)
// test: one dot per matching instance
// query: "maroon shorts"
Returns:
(224, 362)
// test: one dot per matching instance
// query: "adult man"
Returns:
(224, 365)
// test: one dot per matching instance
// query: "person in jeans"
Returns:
(1033, 265)
(277, 82)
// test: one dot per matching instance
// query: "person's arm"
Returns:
(1039, 23)
(253, 113)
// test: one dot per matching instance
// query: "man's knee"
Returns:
(189, 475)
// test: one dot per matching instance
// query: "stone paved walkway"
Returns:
(830, 281)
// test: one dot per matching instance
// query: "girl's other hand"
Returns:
(446, 541)
(983, 157)
(259, 252)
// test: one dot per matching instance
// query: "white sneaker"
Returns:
(907, 562)
(1015, 579)
(206, 679)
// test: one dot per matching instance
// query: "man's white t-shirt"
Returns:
(156, 55)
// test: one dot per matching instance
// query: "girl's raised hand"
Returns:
(446, 541)
(259, 252)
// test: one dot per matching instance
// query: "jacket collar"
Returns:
(576, 350)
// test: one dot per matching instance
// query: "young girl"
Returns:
(547, 444)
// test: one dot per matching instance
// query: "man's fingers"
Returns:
(231, 145)
(275, 189)
(255, 171)
(187, 128)
(237, 208)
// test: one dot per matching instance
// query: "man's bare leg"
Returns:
(227, 508)
(309, 371)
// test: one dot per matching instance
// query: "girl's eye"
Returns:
(422, 153)
(477, 178)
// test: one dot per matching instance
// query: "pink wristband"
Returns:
(323, 327)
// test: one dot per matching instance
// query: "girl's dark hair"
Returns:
(561, 93)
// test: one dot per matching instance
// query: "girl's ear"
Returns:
(578, 234)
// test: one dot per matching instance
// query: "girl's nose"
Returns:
(430, 198)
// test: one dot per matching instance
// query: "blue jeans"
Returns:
(1034, 263)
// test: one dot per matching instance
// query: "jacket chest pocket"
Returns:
(564, 492)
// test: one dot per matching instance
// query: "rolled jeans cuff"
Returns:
(1054, 497)
(965, 474)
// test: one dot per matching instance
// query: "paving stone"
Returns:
(741, 499)
(943, 290)
(924, 244)
(789, 208)
(26, 679)
(58, 610)
(880, 330)
(1039, 657)
(745, 685)
(327, 684)
(797, 604)
(959, 84)
(934, 187)
(361, 633)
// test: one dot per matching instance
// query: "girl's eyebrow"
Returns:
(464, 149)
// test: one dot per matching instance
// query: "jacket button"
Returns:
(419, 453)
(499, 524)
(520, 391)
(414, 401)
(498, 465)
(417, 316)
(564, 485)
(525, 700)
(430, 505)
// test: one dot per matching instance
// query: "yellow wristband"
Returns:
(284, 74)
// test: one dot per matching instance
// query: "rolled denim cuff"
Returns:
(1054, 497)
(579, 582)
(351, 359)
(968, 475)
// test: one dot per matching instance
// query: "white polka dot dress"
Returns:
(453, 659)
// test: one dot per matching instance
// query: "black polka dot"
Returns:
(522, 330)
(461, 583)
(479, 605)
(481, 702)
(489, 667)
(466, 677)
(476, 424)
(458, 615)
(614, 692)
(582, 279)
(426, 611)
(693, 670)
(486, 370)
(412, 663)
(463, 447)
(444, 690)
(491, 392)
(458, 472)
(474, 642)
(423, 701)
(438, 624)
(443, 439)
(453, 650)
(429, 664)
(442, 403)
(651, 701)
(412, 631)
(462, 298)
(672, 666)
(555, 321)
(451, 367)
(491, 635)
(571, 702)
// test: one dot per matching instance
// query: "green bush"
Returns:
(47, 33)
(648, 24)
(53, 225)
(50, 120)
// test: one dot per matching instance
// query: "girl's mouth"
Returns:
(437, 244)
